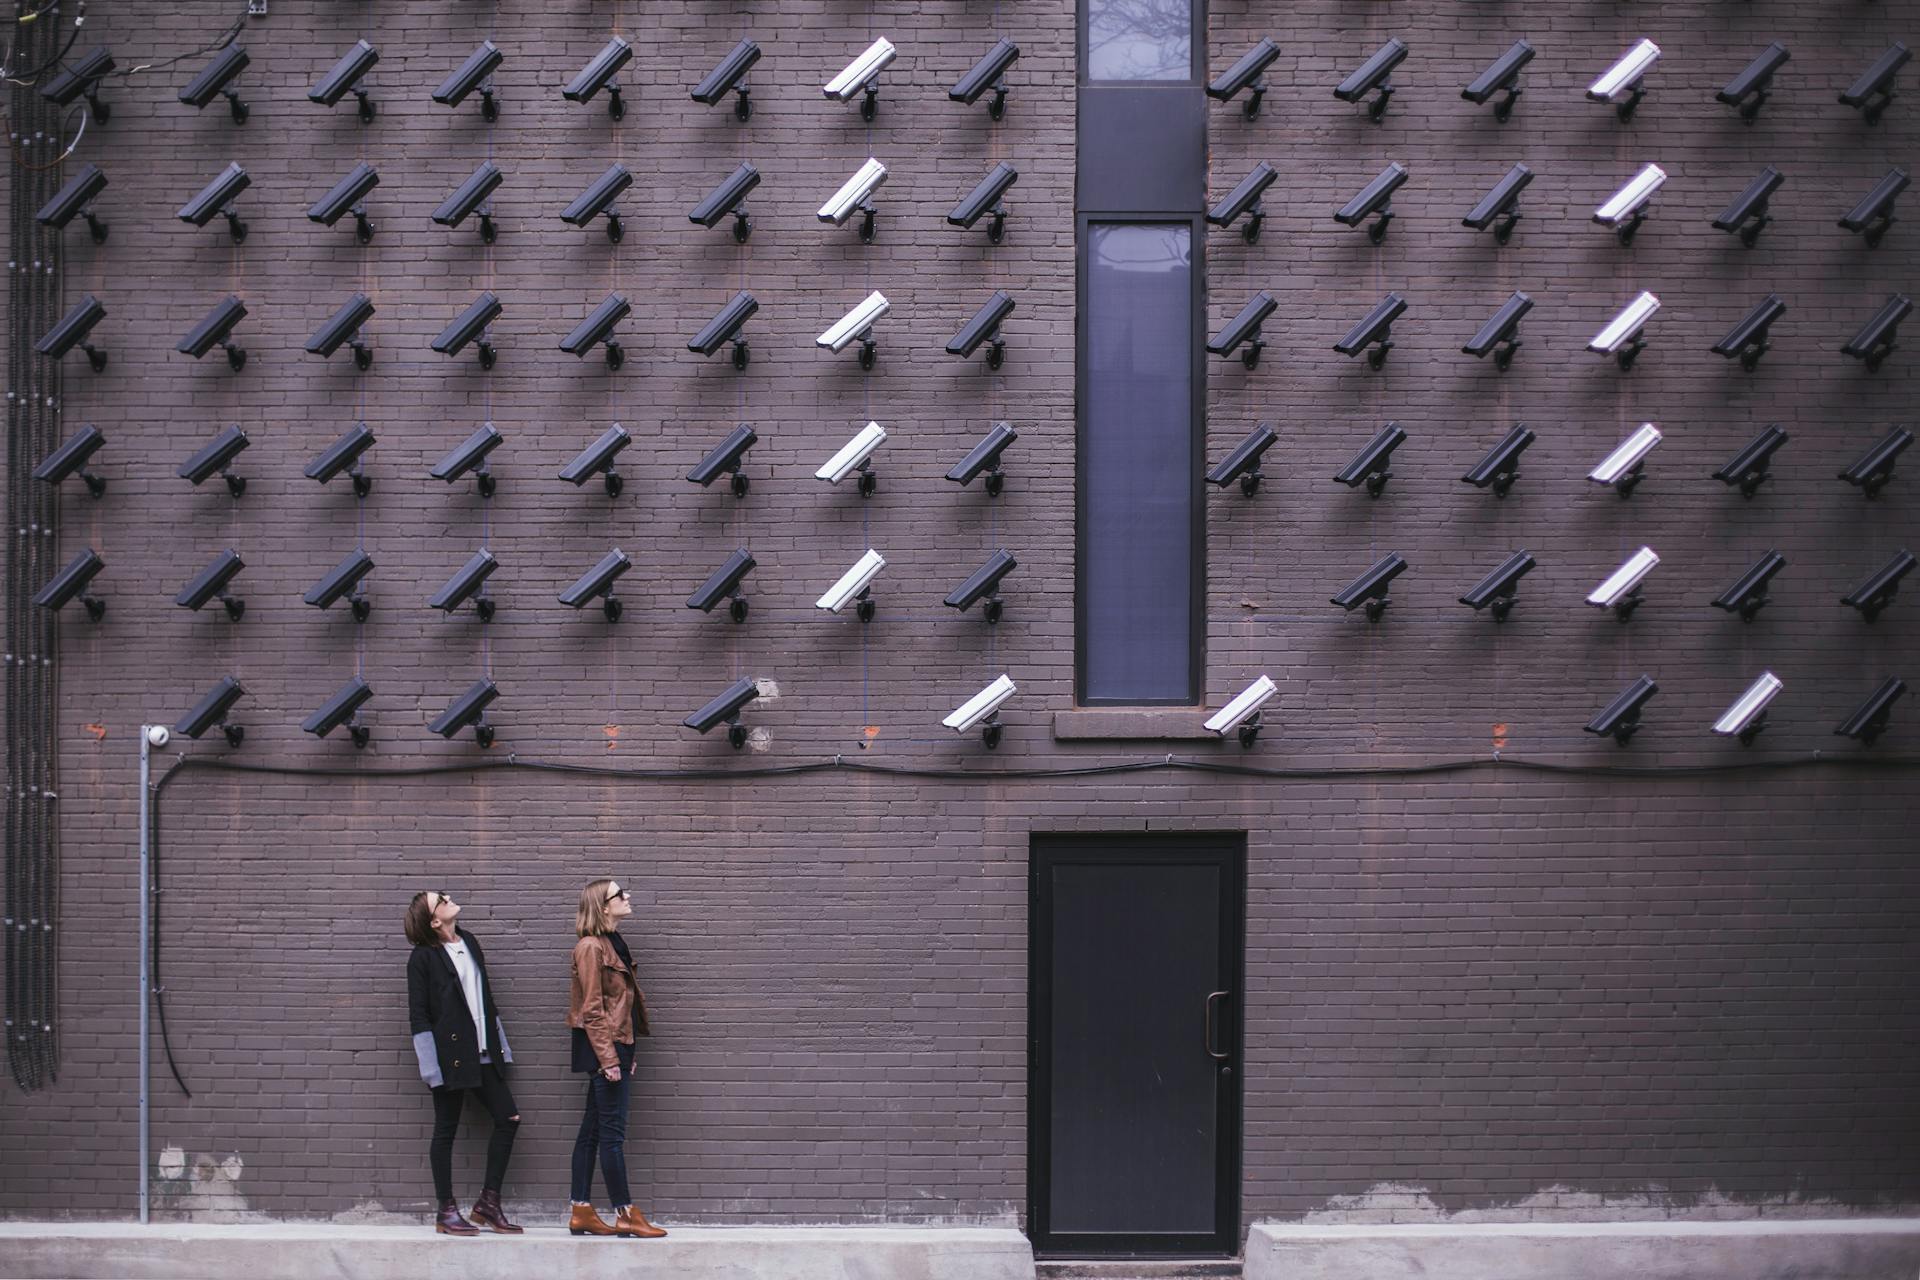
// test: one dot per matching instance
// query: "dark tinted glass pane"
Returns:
(1139, 39)
(1136, 547)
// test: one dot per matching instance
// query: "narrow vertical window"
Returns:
(1139, 40)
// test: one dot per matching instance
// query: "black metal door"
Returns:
(1134, 1044)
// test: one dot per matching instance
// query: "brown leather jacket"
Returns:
(604, 998)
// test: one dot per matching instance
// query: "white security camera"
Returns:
(1626, 209)
(1621, 590)
(1621, 338)
(1620, 84)
(859, 76)
(1621, 469)
(853, 454)
(980, 711)
(159, 735)
(854, 193)
(1748, 715)
(857, 323)
(854, 584)
(1243, 713)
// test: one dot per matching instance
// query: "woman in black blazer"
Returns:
(460, 1045)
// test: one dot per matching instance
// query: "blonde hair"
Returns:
(592, 920)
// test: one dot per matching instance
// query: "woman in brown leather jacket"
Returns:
(606, 1013)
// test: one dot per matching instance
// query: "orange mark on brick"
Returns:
(99, 731)
(870, 732)
(1500, 735)
(613, 735)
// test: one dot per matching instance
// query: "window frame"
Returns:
(1196, 48)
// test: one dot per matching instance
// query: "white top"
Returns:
(470, 985)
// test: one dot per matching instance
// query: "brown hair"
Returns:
(591, 920)
(418, 922)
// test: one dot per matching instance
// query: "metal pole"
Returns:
(146, 927)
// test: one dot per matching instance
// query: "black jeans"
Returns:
(447, 1105)
(603, 1127)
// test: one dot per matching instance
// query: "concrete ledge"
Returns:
(64, 1251)
(1815, 1249)
(1132, 724)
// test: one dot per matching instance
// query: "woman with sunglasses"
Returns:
(607, 1013)
(460, 1045)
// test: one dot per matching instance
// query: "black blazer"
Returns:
(444, 1037)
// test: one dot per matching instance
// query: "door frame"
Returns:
(1228, 850)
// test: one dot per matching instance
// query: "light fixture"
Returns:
(1748, 715)
(1620, 719)
(212, 711)
(1370, 588)
(470, 708)
(1243, 463)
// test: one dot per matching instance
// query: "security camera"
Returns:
(1877, 592)
(1748, 595)
(71, 583)
(1620, 719)
(855, 195)
(1246, 73)
(159, 735)
(855, 584)
(1874, 468)
(1244, 199)
(340, 711)
(1374, 200)
(471, 455)
(342, 454)
(1621, 337)
(730, 77)
(859, 77)
(598, 328)
(1874, 214)
(984, 327)
(985, 456)
(81, 79)
(216, 79)
(1373, 75)
(345, 78)
(71, 459)
(1244, 330)
(1626, 208)
(1370, 588)
(1375, 331)
(989, 72)
(346, 197)
(1748, 339)
(983, 584)
(597, 583)
(468, 325)
(343, 327)
(1749, 90)
(470, 708)
(1243, 463)
(1875, 341)
(341, 581)
(1369, 466)
(597, 459)
(212, 711)
(1497, 590)
(1620, 590)
(1748, 468)
(216, 329)
(1502, 77)
(726, 199)
(724, 584)
(987, 195)
(213, 581)
(725, 709)
(72, 332)
(1748, 714)
(598, 74)
(473, 74)
(725, 327)
(1501, 203)
(1869, 720)
(1874, 89)
(598, 199)
(982, 711)
(1501, 331)
(215, 200)
(857, 323)
(216, 458)
(467, 583)
(1623, 469)
(854, 456)
(75, 199)
(1621, 83)
(1241, 716)
(725, 459)
(1501, 467)
(1748, 215)
(467, 199)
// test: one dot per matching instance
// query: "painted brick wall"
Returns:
(1487, 989)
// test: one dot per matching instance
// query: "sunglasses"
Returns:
(617, 894)
(437, 899)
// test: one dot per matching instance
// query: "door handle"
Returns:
(1207, 1033)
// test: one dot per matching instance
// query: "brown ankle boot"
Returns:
(488, 1213)
(631, 1222)
(587, 1222)
(450, 1223)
